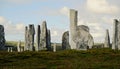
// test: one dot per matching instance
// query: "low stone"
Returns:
(19, 46)
(54, 47)
(83, 38)
(65, 40)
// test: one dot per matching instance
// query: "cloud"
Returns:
(101, 6)
(20, 27)
(65, 11)
(108, 20)
(56, 34)
(96, 29)
(12, 30)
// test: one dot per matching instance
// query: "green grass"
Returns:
(67, 59)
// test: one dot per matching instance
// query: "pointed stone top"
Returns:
(31, 29)
(44, 24)
(38, 25)
(1, 25)
(25, 26)
(107, 30)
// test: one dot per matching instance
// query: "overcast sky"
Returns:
(97, 14)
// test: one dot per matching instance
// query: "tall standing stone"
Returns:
(26, 38)
(2, 38)
(65, 40)
(43, 39)
(38, 38)
(31, 37)
(73, 25)
(107, 40)
(116, 35)
(48, 40)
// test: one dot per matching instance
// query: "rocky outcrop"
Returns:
(2, 38)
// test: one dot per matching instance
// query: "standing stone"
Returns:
(19, 46)
(65, 41)
(26, 38)
(73, 25)
(31, 33)
(38, 38)
(2, 38)
(8, 49)
(116, 35)
(48, 40)
(22, 49)
(43, 39)
(54, 47)
(11, 49)
(80, 38)
(107, 40)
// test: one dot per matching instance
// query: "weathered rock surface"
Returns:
(2, 38)
(73, 25)
(65, 40)
(26, 39)
(38, 38)
(83, 38)
(80, 38)
(107, 40)
(31, 33)
(43, 39)
(48, 40)
(116, 35)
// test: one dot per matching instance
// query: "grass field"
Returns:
(67, 59)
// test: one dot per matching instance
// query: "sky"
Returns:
(98, 15)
